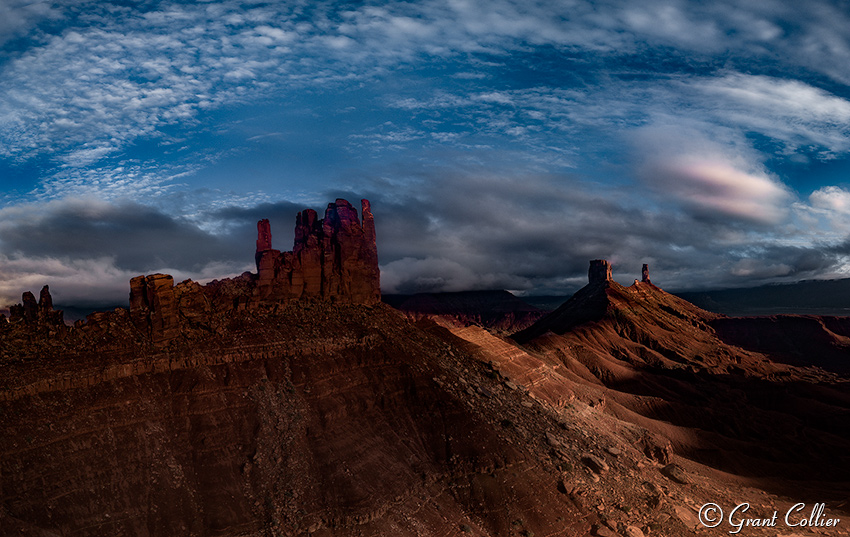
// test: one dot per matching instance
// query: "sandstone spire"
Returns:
(599, 271)
(45, 301)
(30, 307)
(335, 258)
(264, 239)
(644, 274)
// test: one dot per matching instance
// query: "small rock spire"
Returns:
(264, 239)
(599, 271)
(644, 274)
(264, 235)
(45, 301)
(30, 307)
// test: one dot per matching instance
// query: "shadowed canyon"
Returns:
(293, 401)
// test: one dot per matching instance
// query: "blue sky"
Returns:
(503, 144)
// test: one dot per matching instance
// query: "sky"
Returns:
(503, 144)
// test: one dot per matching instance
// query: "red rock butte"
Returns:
(334, 259)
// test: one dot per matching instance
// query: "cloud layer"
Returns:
(503, 143)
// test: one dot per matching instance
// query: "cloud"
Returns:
(538, 232)
(790, 111)
(716, 189)
(528, 137)
(87, 249)
(709, 172)
(18, 17)
(831, 198)
(824, 217)
(111, 77)
(411, 275)
(136, 236)
(534, 233)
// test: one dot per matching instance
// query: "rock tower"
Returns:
(599, 271)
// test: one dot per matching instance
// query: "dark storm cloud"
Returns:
(87, 250)
(538, 233)
(137, 237)
(242, 222)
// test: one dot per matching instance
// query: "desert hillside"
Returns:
(291, 401)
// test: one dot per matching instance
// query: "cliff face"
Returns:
(310, 418)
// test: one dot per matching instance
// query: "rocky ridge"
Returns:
(334, 259)
(237, 409)
(659, 362)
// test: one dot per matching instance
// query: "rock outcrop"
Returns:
(600, 297)
(599, 271)
(30, 307)
(153, 308)
(644, 274)
(334, 259)
(36, 314)
(264, 239)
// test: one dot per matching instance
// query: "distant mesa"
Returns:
(496, 310)
(334, 259)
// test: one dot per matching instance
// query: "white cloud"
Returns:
(717, 188)
(790, 111)
(792, 99)
(824, 217)
(831, 198)
(79, 281)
